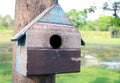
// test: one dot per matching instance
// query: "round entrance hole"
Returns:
(55, 41)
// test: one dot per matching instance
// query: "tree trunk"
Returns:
(27, 10)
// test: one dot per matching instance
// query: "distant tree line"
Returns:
(103, 23)
(114, 6)
(6, 21)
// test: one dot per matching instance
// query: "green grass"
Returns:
(5, 36)
(95, 34)
(5, 64)
(108, 41)
(99, 37)
(90, 74)
(6, 28)
(5, 72)
(5, 56)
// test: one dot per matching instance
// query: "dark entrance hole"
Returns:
(55, 41)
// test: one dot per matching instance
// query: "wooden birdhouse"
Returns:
(49, 44)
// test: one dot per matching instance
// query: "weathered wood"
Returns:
(52, 61)
(56, 16)
(41, 32)
(52, 15)
(22, 32)
(21, 57)
(27, 10)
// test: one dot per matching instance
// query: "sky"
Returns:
(7, 7)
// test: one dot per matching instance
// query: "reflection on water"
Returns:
(91, 60)
(111, 65)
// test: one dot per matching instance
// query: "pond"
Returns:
(107, 56)
(91, 60)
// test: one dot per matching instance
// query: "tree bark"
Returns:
(27, 10)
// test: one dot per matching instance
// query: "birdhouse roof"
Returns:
(52, 15)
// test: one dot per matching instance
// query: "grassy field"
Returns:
(5, 56)
(99, 46)
(98, 37)
(90, 74)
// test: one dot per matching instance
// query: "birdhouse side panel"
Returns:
(21, 58)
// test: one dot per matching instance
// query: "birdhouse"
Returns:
(49, 44)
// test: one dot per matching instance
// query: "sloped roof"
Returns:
(53, 14)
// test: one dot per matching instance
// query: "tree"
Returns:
(115, 28)
(27, 10)
(104, 23)
(115, 7)
(91, 26)
(91, 9)
(78, 17)
(6, 21)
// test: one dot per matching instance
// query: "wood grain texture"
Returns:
(53, 14)
(22, 32)
(40, 33)
(52, 61)
(21, 57)
(26, 11)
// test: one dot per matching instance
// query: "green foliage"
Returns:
(6, 22)
(115, 28)
(78, 18)
(104, 23)
(115, 7)
(91, 9)
(115, 23)
(91, 26)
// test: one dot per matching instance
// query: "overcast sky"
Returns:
(8, 6)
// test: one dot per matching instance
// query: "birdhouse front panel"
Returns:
(55, 49)
(40, 33)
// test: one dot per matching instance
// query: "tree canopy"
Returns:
(78, 18)
(6, 21)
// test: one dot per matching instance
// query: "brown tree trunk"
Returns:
(27, 10)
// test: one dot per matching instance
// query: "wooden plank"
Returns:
(39, 35)
(21, 57)
(52, 61)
